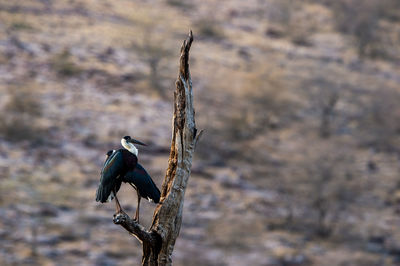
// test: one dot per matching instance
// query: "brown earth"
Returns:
(299, 163)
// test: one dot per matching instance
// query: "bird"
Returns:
(122, 166)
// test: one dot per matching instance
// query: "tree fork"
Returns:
(159, 241)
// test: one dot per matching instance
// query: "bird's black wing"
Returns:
(140, 179)
(109, 156)
(110, 176)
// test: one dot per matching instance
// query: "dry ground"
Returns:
(268, 188)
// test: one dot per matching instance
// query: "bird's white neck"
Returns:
(129, 146)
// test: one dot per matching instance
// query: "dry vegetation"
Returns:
(299, 164)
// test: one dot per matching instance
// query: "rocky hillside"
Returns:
(299, 162)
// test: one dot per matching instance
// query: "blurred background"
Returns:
(300, 160)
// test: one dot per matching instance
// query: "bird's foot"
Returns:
(136, 218)
(120, 217)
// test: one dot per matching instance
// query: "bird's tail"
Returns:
(155, 197)
(101, 194)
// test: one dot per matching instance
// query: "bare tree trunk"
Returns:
(158, 242)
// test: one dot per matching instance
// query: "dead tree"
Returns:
(158, 241)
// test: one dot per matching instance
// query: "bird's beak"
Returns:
(137, 142)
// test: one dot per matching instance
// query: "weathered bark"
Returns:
(158, 242)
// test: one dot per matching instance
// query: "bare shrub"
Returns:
(209, 28)
(324, 96)
(153, 52)
(281, 12)
(379, 121)
(361, 20)
(332, 185)
(261, 105)
(23, 101)
(19, 116)
(390, 9)
(284, 20)
(322, 188)
(21, 26)
(183, 4)
(64, 66)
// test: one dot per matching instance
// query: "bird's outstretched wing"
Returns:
(110, 176)
(142, 181)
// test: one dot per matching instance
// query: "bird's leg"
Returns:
(119, 209)
(138, 206)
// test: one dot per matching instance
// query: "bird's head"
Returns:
(128, 143)
(131, 140)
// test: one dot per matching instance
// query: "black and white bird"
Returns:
(122, 166)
